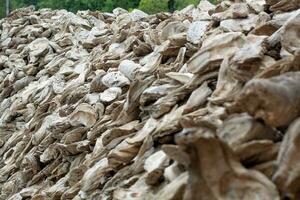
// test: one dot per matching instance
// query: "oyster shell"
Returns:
(202, 103)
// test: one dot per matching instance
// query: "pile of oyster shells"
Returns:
(202, 103)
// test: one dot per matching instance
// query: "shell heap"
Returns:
(199, 104)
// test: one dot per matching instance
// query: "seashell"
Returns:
(110, 94)
(210, 55)
(174, 189)
(129, 69)
(201, 103)
(155, 92)
(290, 37)
(198, 98)
(37, 48)
(155, 161)
(257, 152)
(235, 11)
(282, 5)
(183, 78)
(97, 84)
(172, 172)
(285, 175)
(137, 15)
(84, 114)
(172, 29)
(270, 113)
(239, 25)
(115, 79)
(238, 174)
(257, 6)
(197, 30)
(248, 129)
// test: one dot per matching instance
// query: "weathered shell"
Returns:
(197, 30)
(129, 68)
(84, 114)
(202, 103)
(286, 175)
(280, 89)
(110, 94)
(213, 52)
(115, 79)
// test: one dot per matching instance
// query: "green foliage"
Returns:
(153, 6)
(109, 5)
(180, 4)
(2, 8)
(71, 5)
(149, 6)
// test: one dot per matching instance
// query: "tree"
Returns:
(111, 4)
(180, 4)
(30, 2)
(171, 5)
(150, 6)
(72, 5)
(154, 6)
(7, 5)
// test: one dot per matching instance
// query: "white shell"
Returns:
(84, 114)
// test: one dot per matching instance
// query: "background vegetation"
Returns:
(149, 6)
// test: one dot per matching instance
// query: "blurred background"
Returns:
(149, 6)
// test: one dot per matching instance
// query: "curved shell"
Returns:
(84, 114)
(202, 103)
